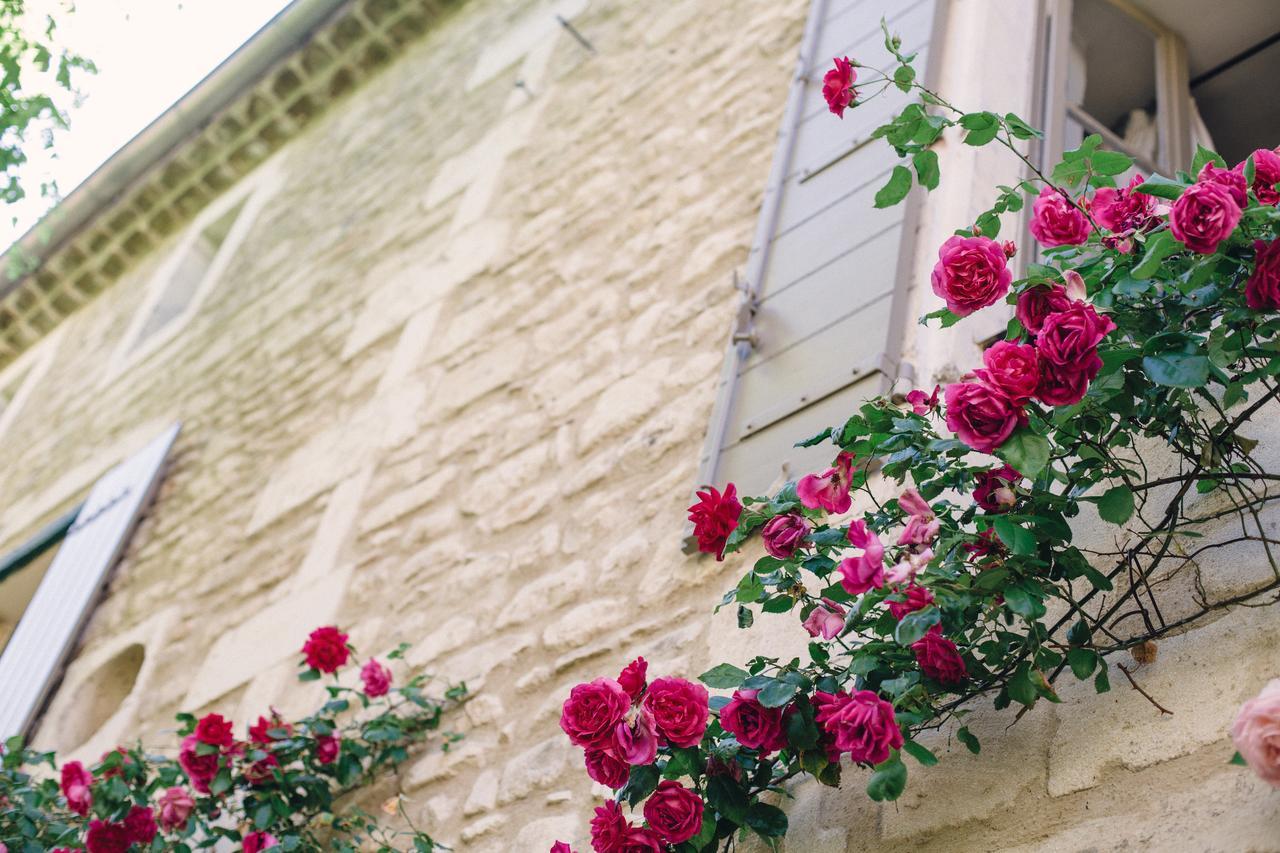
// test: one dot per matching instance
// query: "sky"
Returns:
(148, 53)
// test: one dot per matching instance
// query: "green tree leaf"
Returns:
(1116, 505)
(888, 781)
(920, 753)
(769, 821)
(981, 127)
(967, 738)
(1018, 538)
(915, 625)
(723, 676)
(926, 163)
(1083, 662)
(1177, 369)
(1026, 451)
(1161, 187)
(1020, 688)
(896, 189)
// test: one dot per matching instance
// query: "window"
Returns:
(1156, 78)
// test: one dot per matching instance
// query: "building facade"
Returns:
(431, 323)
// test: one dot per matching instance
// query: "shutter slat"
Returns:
(32, 661)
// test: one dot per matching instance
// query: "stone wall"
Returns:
(451, 390)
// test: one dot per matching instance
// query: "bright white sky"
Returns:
(148, 53)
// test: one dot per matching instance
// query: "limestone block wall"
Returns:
(451, 390)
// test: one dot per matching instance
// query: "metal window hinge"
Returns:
(744, 325)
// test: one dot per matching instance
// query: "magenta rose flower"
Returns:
(1037, 303)
(376, 678)
(714, 517)
(104, 837)
(1055, 221)
(922, 403)
(861, 724)
(1123, 211)
(215, 730)
(604, 768)
(971, 273)
(784, 534)
(680, 710)
(837, 86)
(922, 525)
(1203, 216)
(866, 570)
(1013, 369)
(1256, 733)
(175, 807)
(256, 841)
(1266, 174)
(640, 840)
(1066, 384)
(981, 416)
(917, 598)
(754, 725)
(327, 749)
(674, 812)
(75, 786)
(830, 489)
(994, 492)
(1262, 291)
(561, 847)
(140, 824)
(1071, 335)
(326, 649)
(608, 828)
(826, 620)
(1231, 179)
(592, 711)
(635, 741)
(632, 678)
(939, 658)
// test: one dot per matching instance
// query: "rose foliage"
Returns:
(277, 784)
(933, 563)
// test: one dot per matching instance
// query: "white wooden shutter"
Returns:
(827, 269)
(33, 659)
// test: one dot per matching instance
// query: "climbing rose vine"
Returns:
(275, 787)
(1140, 343)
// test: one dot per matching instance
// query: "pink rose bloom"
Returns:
(939, 658)
(861, 724)
(1013, 369)
(922, 526)
(1262, 291)
(1037, 303)
(592, 711)
(917, 598)
(837, 86)
(754, 725)
(1066, 384)
(993, 492)
(1266, 174)
(922, 403)
(674, 812)
(1072, 335)
(1256, 733)
(1055, 221)
(260, 732)
(1076, 290)
(200, 769)
(608, 828)
(75, 785)
(908, 567)
(327, 749)
(980, 416)
(830, 489)
(376, 678)
(632, 678)
(1229, 178)
(826, 620)
(255, 841)
(604, 768)
(140, 823)
(1203, 216)
(866, 570)
(215, 730)
(326, 649)
(680, 710)
(104, 837)
(784, 534)
(640, 840)
(636, 741)
(714, 517)
(1123, 211)
(561, 847)
(175, 807)
(971, 273)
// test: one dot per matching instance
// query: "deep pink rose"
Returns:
(376, 678)
(640, 840)
(754, 725)
(635, 741)
(837, 86)
(175, 807)
(326, 649)
(561, 847)
(1055, 221)
(255, 841)
(680, 710)
(200, 769)
(971, 273)
(862, 725)
(260, 732)
(1123, 211)
(938, 657)
(674, 812)
(1013, 369)
(830, 489)
(826, 620)
(1266, 174)
(327, 749)
(1256, 733)
(784, 534)
(140, 823)
(1037, 303)
(632, 678)
(604, 768)
(1066, 384)
(104, 837)
(216, 730)
(866, 570)
(262, 771)
(980, 416)
(608, 828)
(714, 517)
(994, 492)
(1262, 292)
(922, 525)
(917, 598)
(592, 711)
(1203, 216)
(1229, 178)
(1071, 335)
(922, 403)
(75, 785)
(910, 565)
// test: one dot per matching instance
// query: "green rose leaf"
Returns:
(1018, 538)
(888, 781)
(1161, 187)
(920, 753)
(1026, 451)
(1083, 662)
(926, 163)
(967, 738)
(896, 189)
(1116, 505)
(723, 676)
(915, 625)
(769, 821)
(1177, 369)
